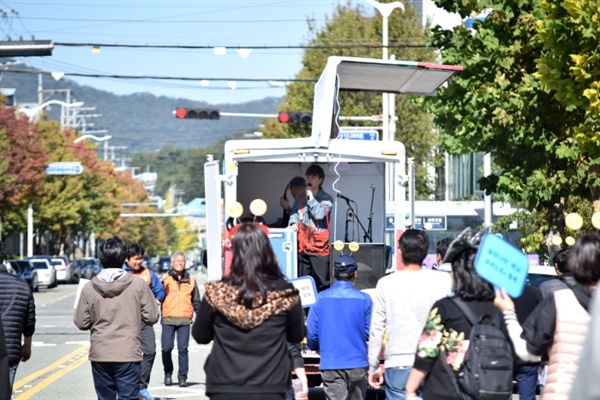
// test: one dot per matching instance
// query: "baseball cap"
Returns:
(345, 264)
(297, 181)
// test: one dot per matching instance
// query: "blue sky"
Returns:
(174, 22)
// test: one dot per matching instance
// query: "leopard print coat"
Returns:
(223, 297)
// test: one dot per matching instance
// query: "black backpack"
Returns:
(487, 370)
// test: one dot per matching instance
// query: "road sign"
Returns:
(64, 168)
(430, 223)
(358, 135)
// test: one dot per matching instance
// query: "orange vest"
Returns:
(144, 274)
(178, 302)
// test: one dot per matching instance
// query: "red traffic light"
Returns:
(284, 118)
(290, 117)
(197, 113)
(181, 113)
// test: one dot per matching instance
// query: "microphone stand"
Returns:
(369, 233)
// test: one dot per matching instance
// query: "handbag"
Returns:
(311, 241)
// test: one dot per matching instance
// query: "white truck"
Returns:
(370, 174)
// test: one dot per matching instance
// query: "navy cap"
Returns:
(297, 181)
(345, 264)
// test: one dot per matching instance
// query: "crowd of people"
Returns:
(424, 324)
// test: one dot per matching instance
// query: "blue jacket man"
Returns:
(338, 326)
(133, 264)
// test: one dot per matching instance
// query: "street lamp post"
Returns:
(104, 139)
(32, 113)
(386, 9)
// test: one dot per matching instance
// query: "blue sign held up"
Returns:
(502, 264)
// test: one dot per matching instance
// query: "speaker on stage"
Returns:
(371, 259)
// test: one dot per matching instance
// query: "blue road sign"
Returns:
(64, 168)
(358, 135)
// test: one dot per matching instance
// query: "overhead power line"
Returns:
(176, 78)
(264, 47)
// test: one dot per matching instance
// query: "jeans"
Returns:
(114, 380)
(12, 372)
(395, 380)
(149, 352)
(526, 376)
(345, 384)
(167, 342)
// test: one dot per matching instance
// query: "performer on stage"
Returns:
(296, 186)
(310, 218)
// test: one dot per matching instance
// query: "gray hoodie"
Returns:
(112, 307)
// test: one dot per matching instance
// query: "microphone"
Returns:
(341, 196)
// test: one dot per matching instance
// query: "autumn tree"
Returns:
(355, 26)
(23, 159)
(74, 206)
(528, 96)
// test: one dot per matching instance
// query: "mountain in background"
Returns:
(143, 122)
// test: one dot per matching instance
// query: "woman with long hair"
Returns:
(250, 316)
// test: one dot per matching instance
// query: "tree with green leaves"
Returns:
(360, 24)
(527, 96)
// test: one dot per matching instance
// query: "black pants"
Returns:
(149, 353)
(317, 267)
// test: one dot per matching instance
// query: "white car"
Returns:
(46, 272)
(63, 269)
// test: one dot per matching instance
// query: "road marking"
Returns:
(19, 384)
(51, 379)
(174, 392)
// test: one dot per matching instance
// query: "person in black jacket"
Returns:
(17, 310)
(565, 277)
(249, 315)
(5, 386)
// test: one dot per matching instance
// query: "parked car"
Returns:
(26, 271)
(95, 264)
(540, 273)
(162, 265)
(64, 271)
(81, 270)
(45, 270)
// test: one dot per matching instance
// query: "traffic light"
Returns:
(197, 113)
(291, 117)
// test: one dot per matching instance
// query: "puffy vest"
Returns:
(144, 274)
(572, 322)
(178, 302)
